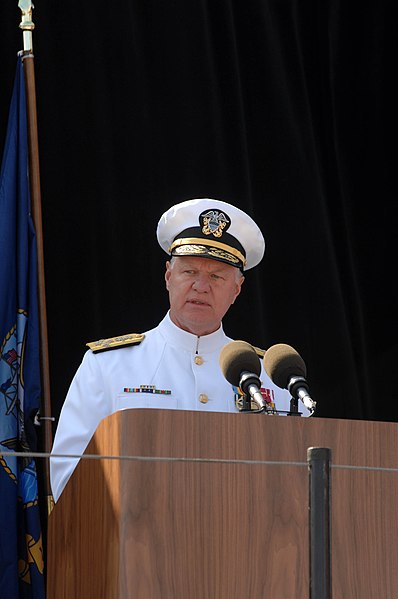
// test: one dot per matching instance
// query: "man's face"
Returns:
(200, 291)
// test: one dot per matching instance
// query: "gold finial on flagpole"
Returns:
(26, 24)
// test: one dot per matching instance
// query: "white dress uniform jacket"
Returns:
(164, 363)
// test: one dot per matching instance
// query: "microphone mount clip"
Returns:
(298, 388)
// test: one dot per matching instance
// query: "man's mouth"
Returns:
(197, 302)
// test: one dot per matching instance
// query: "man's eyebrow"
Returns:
(219, 271)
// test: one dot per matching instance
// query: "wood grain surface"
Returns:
(203, 530)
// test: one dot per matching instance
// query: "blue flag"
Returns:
(21, 553)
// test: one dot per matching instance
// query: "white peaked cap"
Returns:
(213, 229)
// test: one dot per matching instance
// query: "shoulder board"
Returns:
(115, 342)
(260, 352)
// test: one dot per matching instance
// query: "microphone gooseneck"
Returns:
(287, 369)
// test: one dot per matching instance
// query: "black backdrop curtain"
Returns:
(284, 108)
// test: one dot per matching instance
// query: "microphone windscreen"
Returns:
(281, 362)
(237, 357)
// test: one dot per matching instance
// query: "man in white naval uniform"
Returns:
(175, 365)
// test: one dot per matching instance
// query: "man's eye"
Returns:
(216, 277)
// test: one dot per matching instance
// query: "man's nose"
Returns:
(201, 284)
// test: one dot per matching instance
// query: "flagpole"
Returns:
(27, 27)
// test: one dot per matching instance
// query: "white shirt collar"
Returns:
(189, 342)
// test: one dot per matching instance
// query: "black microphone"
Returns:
(241, 367)
(286, 368)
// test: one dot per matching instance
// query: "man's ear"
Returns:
(167, 274)
(239, 287)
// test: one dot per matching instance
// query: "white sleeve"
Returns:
(84, 408)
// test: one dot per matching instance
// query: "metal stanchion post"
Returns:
(318, 459)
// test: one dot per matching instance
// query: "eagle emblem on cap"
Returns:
(214, 222)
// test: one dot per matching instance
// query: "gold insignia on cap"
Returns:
(221, 255)
(189, 250)
(196, 245)
(116, 342)
(214, 222)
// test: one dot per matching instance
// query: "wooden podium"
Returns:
(222, 524)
